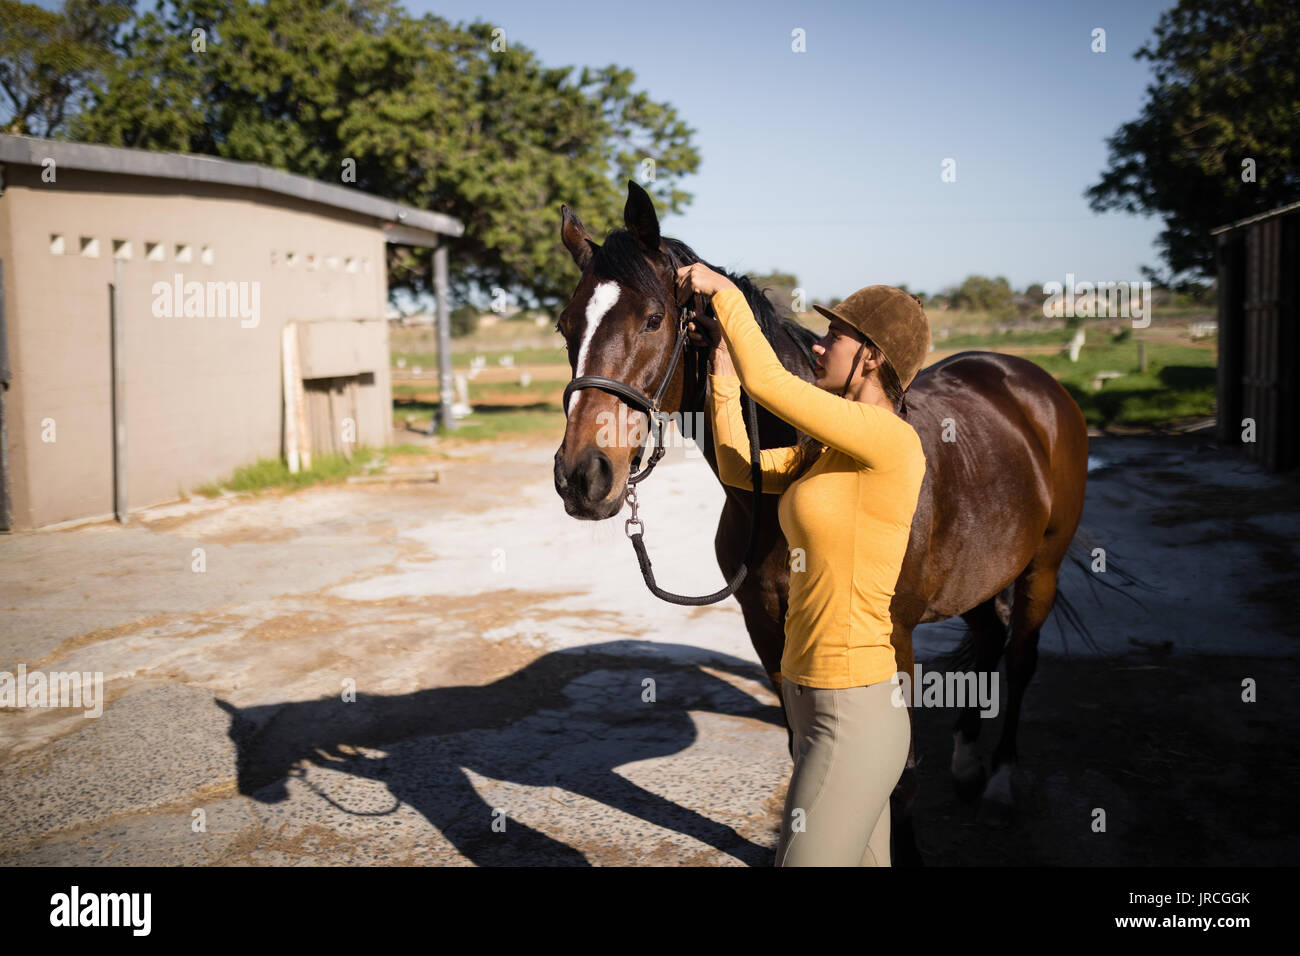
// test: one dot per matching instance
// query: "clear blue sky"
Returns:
(827, 163)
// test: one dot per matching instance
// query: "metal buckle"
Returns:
(627, 525)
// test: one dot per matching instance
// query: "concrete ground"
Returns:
(521, 699)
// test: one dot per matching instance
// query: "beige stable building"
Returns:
(166, 318)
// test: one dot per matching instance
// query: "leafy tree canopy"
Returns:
(1225, 91)
(458, 119)
(984, 294)
(49, 59)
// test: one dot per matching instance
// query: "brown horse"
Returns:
(1006, 450)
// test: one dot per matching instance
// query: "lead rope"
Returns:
(756, 483)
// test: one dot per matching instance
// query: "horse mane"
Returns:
(621, 258)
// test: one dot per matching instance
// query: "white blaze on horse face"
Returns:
(602, 300)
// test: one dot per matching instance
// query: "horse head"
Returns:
(620, 324)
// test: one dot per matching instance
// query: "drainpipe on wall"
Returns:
(117, 323)
(6, 499)
(445, 396)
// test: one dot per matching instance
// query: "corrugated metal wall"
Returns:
(1259, 361)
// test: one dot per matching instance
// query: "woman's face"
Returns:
(834, 354)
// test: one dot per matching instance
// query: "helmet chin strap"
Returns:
(852, 368)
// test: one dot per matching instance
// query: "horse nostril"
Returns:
(595, 476)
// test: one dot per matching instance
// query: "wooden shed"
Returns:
(1259, 350)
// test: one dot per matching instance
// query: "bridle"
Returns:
(651, 407)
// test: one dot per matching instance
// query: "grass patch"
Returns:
(490, 425)
(487, 423)
(267, 474)
(995, 340)
(409, 448)
(528, 356)
(1179, 383)
(484, 389)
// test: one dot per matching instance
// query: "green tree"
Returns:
(1225, 91)
(49, 58)
(433, 115)
(985, 295)
(464, 320)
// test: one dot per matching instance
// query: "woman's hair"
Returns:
(809, 449)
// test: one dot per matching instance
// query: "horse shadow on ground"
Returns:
(568, 719)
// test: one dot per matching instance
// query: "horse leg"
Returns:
(988, 635)
(763, 595)
(903, 850)
(1035, 595)
(768, 638)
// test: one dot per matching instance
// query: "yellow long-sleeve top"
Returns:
(847, 519)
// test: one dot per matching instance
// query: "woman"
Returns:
(848, 493)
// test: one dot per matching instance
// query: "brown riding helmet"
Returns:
(893, 320)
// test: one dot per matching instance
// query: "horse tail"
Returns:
(1081, 555)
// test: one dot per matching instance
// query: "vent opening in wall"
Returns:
(121, 248)
(206, 256)
(57, 245)
(292, 259)
(89, 247)
(155, 252)
(184, 252)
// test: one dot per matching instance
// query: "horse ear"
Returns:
(575, 238)
(640, 218)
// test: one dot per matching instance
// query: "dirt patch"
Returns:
(252, 845)
(164, 625)
(290, 626)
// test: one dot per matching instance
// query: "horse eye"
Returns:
(655, 321)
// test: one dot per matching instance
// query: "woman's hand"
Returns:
(697, 277)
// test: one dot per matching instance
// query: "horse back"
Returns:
(1006, 452)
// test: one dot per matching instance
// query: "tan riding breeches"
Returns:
(850, 746)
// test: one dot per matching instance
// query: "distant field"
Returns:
(1179, 382)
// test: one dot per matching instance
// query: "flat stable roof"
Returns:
(1280, 210)
(401, 224)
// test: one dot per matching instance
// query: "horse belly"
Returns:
(982, 544)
